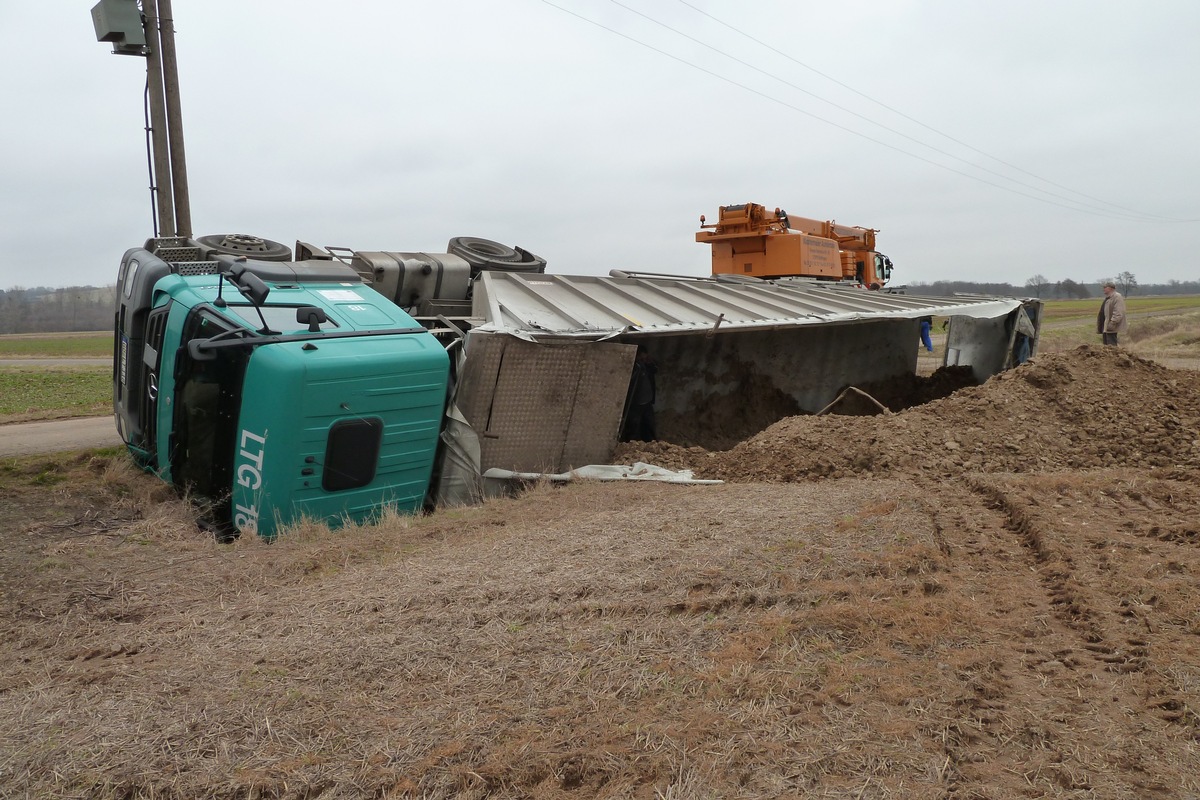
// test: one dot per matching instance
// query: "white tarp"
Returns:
(638, 471)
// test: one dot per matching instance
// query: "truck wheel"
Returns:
(472, 248)
(242, 244)
(486, 254)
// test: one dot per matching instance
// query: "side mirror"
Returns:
(199, 352)
(250, 285)
(312, 317)
(253, 288)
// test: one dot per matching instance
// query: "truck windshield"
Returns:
(279, 318)
(883, 266)
(208, 394)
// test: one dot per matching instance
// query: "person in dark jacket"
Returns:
(639, 419)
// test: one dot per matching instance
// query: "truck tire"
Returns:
(242, 244)
(486, 254)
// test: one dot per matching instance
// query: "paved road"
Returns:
(57, 435)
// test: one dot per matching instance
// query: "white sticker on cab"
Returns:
(340, 295)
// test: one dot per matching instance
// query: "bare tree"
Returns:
(1126, 282)
(1037, 284)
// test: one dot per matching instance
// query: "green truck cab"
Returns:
(274, 391)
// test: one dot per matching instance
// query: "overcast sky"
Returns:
(987, 141)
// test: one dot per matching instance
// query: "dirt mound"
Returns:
(724, 421)
(1091, 407)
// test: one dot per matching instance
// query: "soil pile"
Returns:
(725, 420)
(1091, 407)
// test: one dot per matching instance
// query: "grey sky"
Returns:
(396, 125)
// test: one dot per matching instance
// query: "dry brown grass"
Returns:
(948, 632)
(847, 639)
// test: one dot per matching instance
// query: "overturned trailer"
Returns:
(544, 371)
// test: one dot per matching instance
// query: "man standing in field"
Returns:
(1111, 321)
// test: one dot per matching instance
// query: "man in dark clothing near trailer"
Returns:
(639, 419)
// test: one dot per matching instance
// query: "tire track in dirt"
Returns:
(1071, 664)
(1075, 607)
(1054, 568)
(989, 713)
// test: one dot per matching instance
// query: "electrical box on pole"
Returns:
(120, 22)
(145, 32)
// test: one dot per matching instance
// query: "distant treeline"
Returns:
(1050, 290)
(44, 310)
(88, 308)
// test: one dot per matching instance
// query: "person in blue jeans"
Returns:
(926, 324)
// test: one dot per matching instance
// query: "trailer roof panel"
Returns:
(598, 306)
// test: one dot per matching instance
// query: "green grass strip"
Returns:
(57, 346)
(72, 391)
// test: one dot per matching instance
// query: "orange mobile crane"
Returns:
(749, 240)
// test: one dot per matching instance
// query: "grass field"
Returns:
(29, 393)
(53, 392)
(1013, 616)
(1164, 329)
(57, 345)
(1086, 310)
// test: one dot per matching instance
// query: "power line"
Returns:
(899, 113)
(1076, 205)
(1002, 176)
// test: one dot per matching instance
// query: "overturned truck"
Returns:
(332, 383)
(328, 383)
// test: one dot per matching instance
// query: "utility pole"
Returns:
(153, 38)
(179, 182)
(158, 126)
